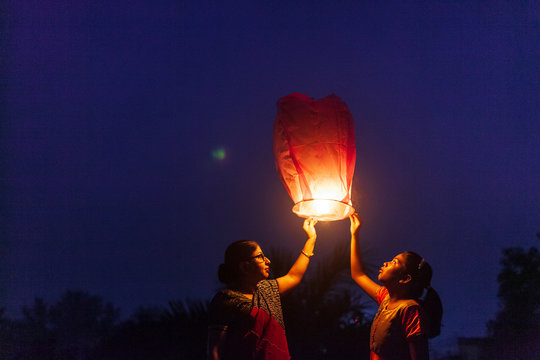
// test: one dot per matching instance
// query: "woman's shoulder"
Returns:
(228, 304)
(268, 289)
(221, 294)
(227, 298)
(219, 299)
(268, 284)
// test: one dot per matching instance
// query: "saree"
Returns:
(253, 328)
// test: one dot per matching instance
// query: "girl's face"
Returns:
(259, 264)
(393, 271)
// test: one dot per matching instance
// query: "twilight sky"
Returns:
(112, 110)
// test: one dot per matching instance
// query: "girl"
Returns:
(246, 321)
(403, 323)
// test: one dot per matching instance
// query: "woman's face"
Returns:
(393, 270)
(260, 264)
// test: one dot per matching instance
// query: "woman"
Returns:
(403, 323)
(246, 321)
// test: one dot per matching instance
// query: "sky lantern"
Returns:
(315, 154)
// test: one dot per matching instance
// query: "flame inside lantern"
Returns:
(315, 154)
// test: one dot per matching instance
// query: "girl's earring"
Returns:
(407, 279)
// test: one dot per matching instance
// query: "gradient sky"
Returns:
(112, 112)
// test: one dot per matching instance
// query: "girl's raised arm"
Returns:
(358, 274)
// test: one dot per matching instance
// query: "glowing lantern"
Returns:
(315, 154)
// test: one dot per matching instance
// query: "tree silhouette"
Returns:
(157, 333)
(190, 321)
(516, 327)
(324, 317)
(35, 332)
(73, 328)
(28, 338)
(79, 322)
(8, 336)
(145, 335)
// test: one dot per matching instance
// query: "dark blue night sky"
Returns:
(112, 111)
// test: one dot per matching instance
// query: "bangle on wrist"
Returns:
(307, 255)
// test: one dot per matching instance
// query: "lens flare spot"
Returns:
(218, 154)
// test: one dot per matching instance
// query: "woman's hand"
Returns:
(309, 227)
(295, 274)
(356, 223)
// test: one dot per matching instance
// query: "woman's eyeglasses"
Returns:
(260, 257)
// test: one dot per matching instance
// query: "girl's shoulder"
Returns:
(382, 295)
(383, 299)
(406, 303)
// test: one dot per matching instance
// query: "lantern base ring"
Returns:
(323, 209)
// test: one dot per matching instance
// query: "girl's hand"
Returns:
(309, 227)
(356, 223)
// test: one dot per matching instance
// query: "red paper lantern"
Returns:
(315, 154)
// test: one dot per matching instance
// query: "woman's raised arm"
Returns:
(296, 273)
